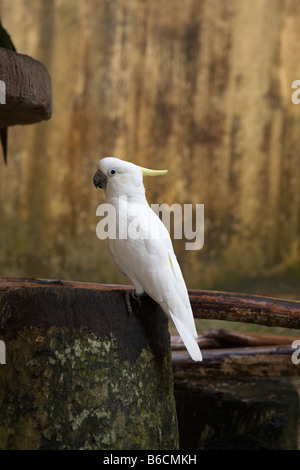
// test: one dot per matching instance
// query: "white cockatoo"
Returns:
(144, 251)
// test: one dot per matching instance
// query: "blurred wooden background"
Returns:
(201, 87)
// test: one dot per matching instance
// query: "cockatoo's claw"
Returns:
(135, 296)
(127, 301)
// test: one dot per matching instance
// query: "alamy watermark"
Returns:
(296, 354)
(125, 222)
(296, 94)
(2, 92)
(2, 352)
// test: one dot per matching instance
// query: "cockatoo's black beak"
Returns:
(100, 180)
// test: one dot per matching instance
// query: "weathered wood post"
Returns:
(81, 373)
(27, 90)
(257, 413)
(244, 394)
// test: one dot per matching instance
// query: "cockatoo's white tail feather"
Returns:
(189, 341)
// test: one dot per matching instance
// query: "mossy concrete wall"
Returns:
(81, 373)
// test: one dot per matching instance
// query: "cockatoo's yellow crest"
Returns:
(148, 172)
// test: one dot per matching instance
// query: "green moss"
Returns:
(71, 390)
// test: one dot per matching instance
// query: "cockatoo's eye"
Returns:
(112, 172)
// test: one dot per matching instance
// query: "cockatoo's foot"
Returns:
(127, 301)
(135, 296)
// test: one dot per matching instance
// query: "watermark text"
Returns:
(135, 221)
(296, 354)
(296, 94)
(2, 352)
(2, 92)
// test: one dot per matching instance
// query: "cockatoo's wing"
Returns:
(176, 302)
(150, 263)
(120, 250)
